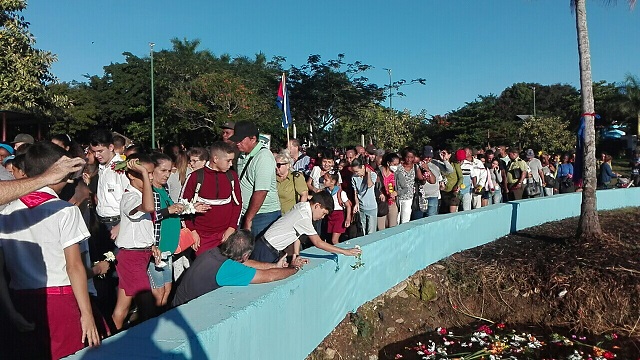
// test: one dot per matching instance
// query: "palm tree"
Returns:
(589, 224)
(630, 100)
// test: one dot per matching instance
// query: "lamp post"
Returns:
(534, 101)
(390, 93)
(153, 110)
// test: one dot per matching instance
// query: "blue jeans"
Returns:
(496, 197)
(432, 209)
(262, 221)
(369, 220)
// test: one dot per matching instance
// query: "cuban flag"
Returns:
(283, 103)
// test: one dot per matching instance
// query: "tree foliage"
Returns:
(549, 134)
(24, 70)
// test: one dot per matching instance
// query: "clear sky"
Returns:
(462, 48)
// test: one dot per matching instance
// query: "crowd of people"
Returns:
(97, 237)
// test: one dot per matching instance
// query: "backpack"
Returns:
(200, 180)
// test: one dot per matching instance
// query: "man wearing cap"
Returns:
(227, 132)
(22, 139)
(370, 156)
(260, 202)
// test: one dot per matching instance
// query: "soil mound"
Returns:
(538, 278)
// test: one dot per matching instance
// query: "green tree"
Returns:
(323, 93)
(24, 70)
(589, 224)
(550, 134)
(630, 100)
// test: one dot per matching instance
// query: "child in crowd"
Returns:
(299, 221)
(337, 223)
(363, 181)
(135, 239)
(40, 235)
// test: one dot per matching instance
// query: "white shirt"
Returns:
(286, 230)
(318, 180)
(111, 186)
(33, 241)
(136, 231)
(343, 198)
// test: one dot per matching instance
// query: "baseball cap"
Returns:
(530, 154)
(23, 138)
(228, 125)
(8, 148)
(427, 151)
(461, 155)
(243, 129)
(10, 157)
(370, 149)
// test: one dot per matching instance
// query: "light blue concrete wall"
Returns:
(288, 319)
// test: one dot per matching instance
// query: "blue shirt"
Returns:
(366, 196)
(233, 273)
(564, 170)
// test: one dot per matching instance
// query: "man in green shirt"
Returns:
(256, 168)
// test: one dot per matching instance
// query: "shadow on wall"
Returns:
(130, 345)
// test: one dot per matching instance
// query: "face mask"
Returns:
(393, 168)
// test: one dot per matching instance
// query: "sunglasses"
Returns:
(280, 164)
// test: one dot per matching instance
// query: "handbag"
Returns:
(383, 206)
(532, 189)
(355, 229)
(185, 241)
(551, 181)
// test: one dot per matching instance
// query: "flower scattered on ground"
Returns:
(497, 342)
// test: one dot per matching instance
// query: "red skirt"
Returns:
(55, 313)
(132, 271)
(335, 222)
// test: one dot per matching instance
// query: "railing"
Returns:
(287, 319)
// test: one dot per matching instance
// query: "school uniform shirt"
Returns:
(286, 230)
(136, 231)
(111, 186)
(317, 179)
(225, 200)
(343, 199)
(33, 241)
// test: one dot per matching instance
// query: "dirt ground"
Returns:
(540, 278)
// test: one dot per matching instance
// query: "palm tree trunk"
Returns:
(589, 224)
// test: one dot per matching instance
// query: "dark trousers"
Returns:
(264, 252)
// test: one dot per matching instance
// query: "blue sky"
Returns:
(462, 48)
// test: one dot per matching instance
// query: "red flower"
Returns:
(442, 331)
(609, 355)
(501, 326)
(485, 329)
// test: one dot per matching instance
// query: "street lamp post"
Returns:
(534, 101)
(390, 93)
(153, 110)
